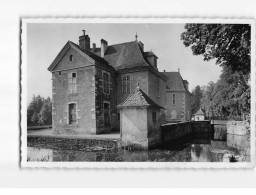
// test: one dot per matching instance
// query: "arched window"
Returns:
(71, 57)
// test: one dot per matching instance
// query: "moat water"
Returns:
(220, 147)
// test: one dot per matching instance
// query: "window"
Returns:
(106, 83)
(71, 57)
(158, 88)
(59, 73)
(154, 117)
(173, 99)
(72, 82)
(72, 113)
(126, 85)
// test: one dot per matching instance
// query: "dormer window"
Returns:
(151, 58)
(155, 62)
(71, 57)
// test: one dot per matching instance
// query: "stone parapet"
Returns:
(173, 131)
(238, 127)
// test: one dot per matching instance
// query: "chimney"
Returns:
(84, 42)
(94, 47)
(104, 46)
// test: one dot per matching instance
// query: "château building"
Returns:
(88, 83)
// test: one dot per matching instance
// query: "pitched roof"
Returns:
(199, 112)
(138, 99)
(89, 55)
(121, 57)
(92, 55)
(125, 55)
(175, 81)
(128, 56)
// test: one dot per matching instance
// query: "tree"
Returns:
(233, 92)
(45, 114)
(34, 109)
(208, 99)
(196, 98)
(39, 111)
(229, 97)
(229, 44)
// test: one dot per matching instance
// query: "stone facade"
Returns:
(181, 110)
(104, 110)
(238, 127)
(148, 82)
(84, 100)
(178, 98)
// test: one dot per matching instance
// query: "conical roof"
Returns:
(138, 99)
(199, 112)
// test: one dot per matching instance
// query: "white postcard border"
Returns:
(23, 139)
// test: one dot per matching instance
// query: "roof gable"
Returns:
(69, 46)
(138, 99)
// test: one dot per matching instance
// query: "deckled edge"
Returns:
(127, 165)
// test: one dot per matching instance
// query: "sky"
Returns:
(44, 42)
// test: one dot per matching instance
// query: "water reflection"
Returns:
(219, 147)
(220, 132)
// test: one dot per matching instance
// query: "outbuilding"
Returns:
(140, 120)
(199, 115)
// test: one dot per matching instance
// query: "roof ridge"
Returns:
(170, 72)
(121, 43)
